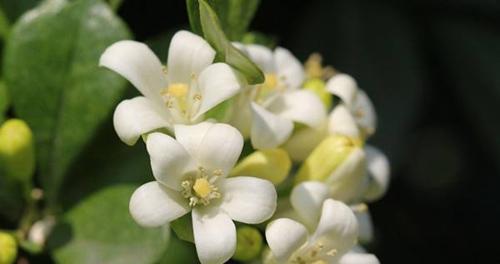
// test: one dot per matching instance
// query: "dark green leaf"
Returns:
(179, 251)
(100, 230)
(194, 16)
(13, 9)
(225, 51)
(4, 101)
(54, 81)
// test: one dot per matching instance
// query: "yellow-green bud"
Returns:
(249, 243)
(339, 161)
(8, 248)
(318, 86)
(270, 164)
(17, 154)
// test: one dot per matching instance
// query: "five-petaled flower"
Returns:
(332, 225)
(190, 173)
(179, 93)
(267, 112)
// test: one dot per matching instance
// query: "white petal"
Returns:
(358, 258)
(365, 113)
(188, 54)
(214, 235)
(153, 205)
(337, 227)
(138, 64)
(364, 222)
(220, 148)
(378, 172)
(307, 200)
(347, 181)
(217, 83)
(343, 86)
(301, 106)
(268, 130)
(262, 56)
(289, 68)
(135, 117)
(169, 160)
(190, 136)
(248, 199)
(284, 236)
(342, 122)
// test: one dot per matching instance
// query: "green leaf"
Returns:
(179, 251)
(226, 52)
(183, 228)
(100, 230)
(13, 9)
(55, 83)
(234, 16)
(4, 101)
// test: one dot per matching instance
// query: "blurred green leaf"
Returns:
(4, 101)
(255, 37)
(226, 52)
(56, 86)
(11, 198)
(179, 251)
(100, 230)
(194, 16)
(183, 228)
(13, 9)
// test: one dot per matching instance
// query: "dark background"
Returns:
(432, 69)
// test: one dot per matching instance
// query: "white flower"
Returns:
(267, 112)
(333, 225)
(335, 235)
(180, 94)
(355, 101)
(190, 175)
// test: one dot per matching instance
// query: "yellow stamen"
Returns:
(177, 89)
(271, 81)
(202, 187)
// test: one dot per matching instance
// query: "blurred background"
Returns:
(432, 69)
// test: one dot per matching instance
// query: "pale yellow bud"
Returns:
(270, 164)
(339, 161)
(17, 154)
(249, 243)
(8, 248)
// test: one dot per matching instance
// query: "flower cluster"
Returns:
(195, 116)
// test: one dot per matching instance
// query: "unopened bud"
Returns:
(270, 164)
(249, 243)
(8, 248)
(318, 86)
(338, 161)
(17, 154)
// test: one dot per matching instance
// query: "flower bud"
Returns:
(249, 243)
(270, 164)
(17, 154)
(8, 248)
(317, 86)
(338, 161)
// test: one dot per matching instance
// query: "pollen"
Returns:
(202, 187)
(177, 89)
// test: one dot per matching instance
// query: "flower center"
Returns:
(272, 85)
(271, 81)
(181, 101)
(200, 187)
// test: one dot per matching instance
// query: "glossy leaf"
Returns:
(100, 230)
(55, 83)
(226, 52)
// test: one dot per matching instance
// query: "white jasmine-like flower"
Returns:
(334, 236)
(190, 173)
(355, 101)
(317, 212)
(267, 112)
(180, 93)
